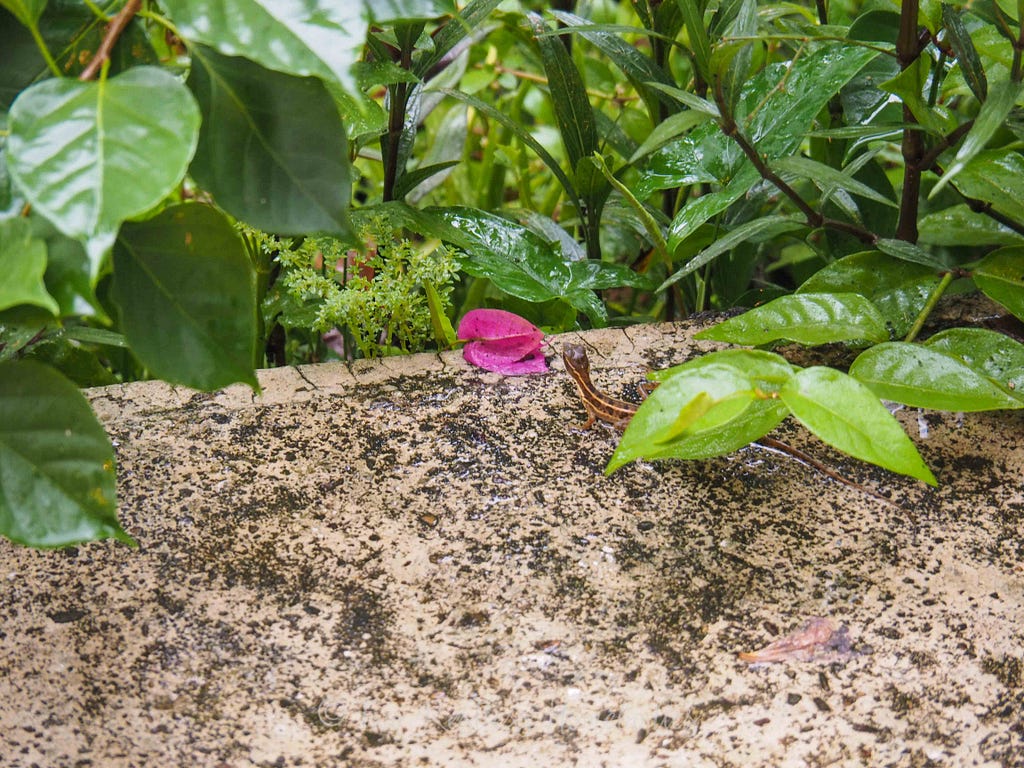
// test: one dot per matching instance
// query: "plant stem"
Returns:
(929, 305)
(907, 50)
(117, 26)
(41, 44)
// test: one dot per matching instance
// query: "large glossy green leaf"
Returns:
(569, 98)
(57, 481)
(809, 318)
(848, 415)
(383, 11)
(272, 149)
(187, 293)
(523, 264)
(22, 264)
(997, 177)
(898, 289)
(994, 354)
(928, 378)
(1001, 98)
(742, 417)
(90, 155)
(297, 37)
(1000, 275)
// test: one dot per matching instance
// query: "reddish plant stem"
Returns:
(114, 30)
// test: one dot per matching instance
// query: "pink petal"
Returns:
(503, 330)
(483, 355)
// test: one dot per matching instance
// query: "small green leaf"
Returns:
(994, 354)
(828, 179)
(90, 155)
(901, 249)
(966, 54)
(928, 378)
(908, 85)
(958, 225)
(808, 318)
(1001, 98)
(997, 177)
(272, 148)
(751, 230)
(848, 415)
(22, 264)
(187, 293)
(700, 44)
(57, 480)
(651, 432)
(1000, 275)
(444, 333)
(898, 289)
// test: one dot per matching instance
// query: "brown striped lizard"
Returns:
(611, 410)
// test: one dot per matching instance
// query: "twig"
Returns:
(117, 25)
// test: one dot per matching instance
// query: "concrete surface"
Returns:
(413, 562)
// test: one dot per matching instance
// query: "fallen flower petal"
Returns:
(502, 342)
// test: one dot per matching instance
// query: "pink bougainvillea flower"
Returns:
(502, 342)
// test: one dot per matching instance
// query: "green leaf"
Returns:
(444, 333)
(700, 44)
(997, 177)
(272, 148)
(898, 289)
(807, 318)
(668, 129)
(569, 99)
(993, 113)
(994, 354)
(638, 68)
(57, 481)
(697, 211)
(901, 249)
(847, 415)
(928, 378)
(1000, 275)
(828, 179)
(90, 155)
(384, 11)
(909, 85)
(22, 264)
(187, 293)
(314, 37)
(751, 230)
(958, 225)
(966, 54)
(25, 11)
(744, 418)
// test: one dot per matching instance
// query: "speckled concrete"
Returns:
(412, 562)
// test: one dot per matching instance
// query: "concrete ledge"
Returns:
(412, 562)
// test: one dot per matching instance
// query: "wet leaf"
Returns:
(272, 147)
(90, 155)
(898, 289)
(1000, 275)
(849, 416)
(808, 318)
(187, 294)
(927, 377)
(313, 37)
(22, 264)
(993, 354)
(997, 177)
(57, 480)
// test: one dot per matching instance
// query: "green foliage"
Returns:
(393, 164)
(382, 302)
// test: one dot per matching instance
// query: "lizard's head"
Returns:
(575, 356)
